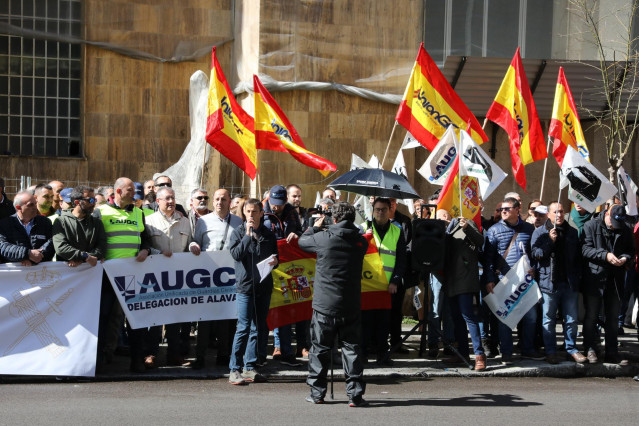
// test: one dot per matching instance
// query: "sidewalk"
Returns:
(405, 366)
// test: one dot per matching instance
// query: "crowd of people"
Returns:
(571, 251)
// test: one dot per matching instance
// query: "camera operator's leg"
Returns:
(349, 338)
(322, 338)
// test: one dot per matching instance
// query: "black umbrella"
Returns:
(375, 182)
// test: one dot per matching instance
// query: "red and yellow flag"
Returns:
(274, 132)
(430, 105)
(565, 127)
(229, 129)
(467, 205)
(514, 111)
(292, 297)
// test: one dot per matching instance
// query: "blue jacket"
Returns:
(498, 239)
(15, 243)
(544, 254)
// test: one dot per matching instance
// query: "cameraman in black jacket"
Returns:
(336, 301)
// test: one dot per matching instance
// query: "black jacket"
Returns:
(15, 243)
(461, 269)
(6, 207)
(337, 290)
(72, 236)
(282, 227)
(247, 253)
(597, 240)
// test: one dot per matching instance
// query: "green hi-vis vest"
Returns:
(147, 211)
(387, 247)
(123, 231)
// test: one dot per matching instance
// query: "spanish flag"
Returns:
(292, 297)
(565, 127)
(229, 129)
(514, 110)
(467, 205)
(430, 105)
(274, 132)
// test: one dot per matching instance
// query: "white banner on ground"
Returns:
(478, 164)
(515, 294)
(180, 288)
(437, 166)
(588, 187)
(49, 319)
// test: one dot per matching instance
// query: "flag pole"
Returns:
(203, 164)
(543, 176)
(389, 142)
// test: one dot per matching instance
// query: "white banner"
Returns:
(628, 192)
(437, 166)
(49, 319)
(478, 164)
(588, 187)
(410, 142)
(180, 288)
(358, 163)
(514, 295)
(399, 168)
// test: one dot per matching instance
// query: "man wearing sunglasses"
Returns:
(79, 237)
(162, 182)
(199, 206)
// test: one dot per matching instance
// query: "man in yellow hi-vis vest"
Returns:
(126, 237)
(391, 246)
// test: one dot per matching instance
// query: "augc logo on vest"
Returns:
(177, 287)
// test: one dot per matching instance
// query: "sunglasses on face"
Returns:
(168, 184)
(202, 197)
(505, 209)
(88, 200)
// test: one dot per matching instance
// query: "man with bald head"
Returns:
(26, 235)
(212, 233)
(126, 237)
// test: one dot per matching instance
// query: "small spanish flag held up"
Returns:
(274, 132)
(467, 205)
(514, 111)
(229, 129)
(565, 127)
(430, 105)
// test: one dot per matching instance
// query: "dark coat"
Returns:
(597, 241)
(247, 253)
(337, 290)
(72, 236)
(15, 243)
(461, 269)
(498, 239)
(544, 254)
(284, 225)
(6, 207)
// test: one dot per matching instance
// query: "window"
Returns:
(40, 79)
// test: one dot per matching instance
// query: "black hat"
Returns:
(277, 195)
(617, 216)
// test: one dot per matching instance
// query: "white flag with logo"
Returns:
(358, 163)
(515, 294)
(478, 164)
(627, 192)
(49, 319)
(410, 142)
(439, 163)
(374, 162)
(399, 168)
(588, 187)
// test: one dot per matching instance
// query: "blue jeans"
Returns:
(439, 314)
(528, 324)
(282, 338)
(567, 299)
(251, 328)
(463, 313)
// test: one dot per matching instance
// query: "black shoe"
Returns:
(621, 331)
(198, 364)
(384, 363)
(313, 400)
(223, 360)
(507, 359)
(290, 360)
(433, 351)
(402, 350)
(357, 402)
(137, 366)
(261, 361)
(615, 359)
(537, 356)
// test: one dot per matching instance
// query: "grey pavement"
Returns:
(410, 365)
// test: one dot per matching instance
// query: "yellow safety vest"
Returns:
(387, 247)
(123, 230)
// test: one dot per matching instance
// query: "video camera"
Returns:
(328, 217)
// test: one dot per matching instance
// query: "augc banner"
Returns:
(515, 294)
(49, 319)
(180, 288)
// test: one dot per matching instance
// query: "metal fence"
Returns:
(15, 185)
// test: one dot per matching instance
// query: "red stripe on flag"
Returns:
(289, 314)
(289, 252)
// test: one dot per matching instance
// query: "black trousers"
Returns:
(324, 329)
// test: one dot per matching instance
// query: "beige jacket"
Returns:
(172, 234)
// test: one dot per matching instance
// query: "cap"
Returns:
(65, 195)
(277, 195)
(139, 191)
(617, 216)
(541, 209)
